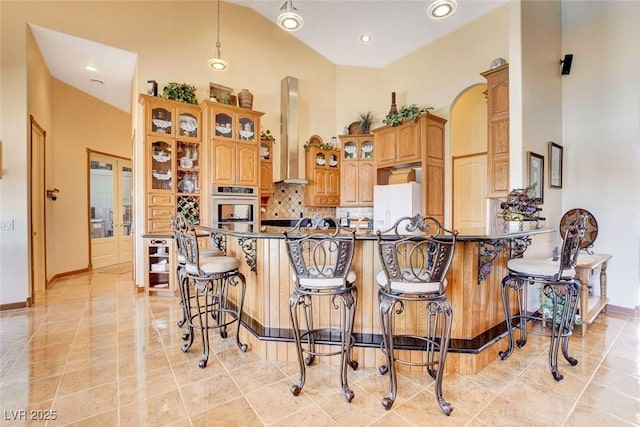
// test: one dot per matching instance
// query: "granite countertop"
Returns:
(276, 228)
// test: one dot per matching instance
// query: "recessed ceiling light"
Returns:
(441, 9)
(90, 68)
(365, 38)
(97, 82)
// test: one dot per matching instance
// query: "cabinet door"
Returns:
(247, 169)
(386, 147)
(161, 167)
(224, 163)
(333, 184)
(366, 180)
(189, 121)
(349, 182)
(247, 128)
(160, 118)
(266, 178)
(408, 143)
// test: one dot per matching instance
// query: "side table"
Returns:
(591, 307)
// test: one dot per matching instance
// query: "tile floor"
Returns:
(93, 352)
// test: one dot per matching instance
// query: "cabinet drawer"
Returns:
(160, 212)
(161, 199)
(159, 226)
(320, 200)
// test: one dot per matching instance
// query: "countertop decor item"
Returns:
(393, 110)
(496, 63)
(521, 205)
(245, 99)
(365, 120)
(180, 92)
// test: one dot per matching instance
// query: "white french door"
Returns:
(110, 207)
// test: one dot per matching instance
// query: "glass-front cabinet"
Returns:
(173, 162)
(358, 171)
(234, 133)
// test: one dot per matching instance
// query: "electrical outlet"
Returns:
(6, 225)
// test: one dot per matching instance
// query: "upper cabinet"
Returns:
(358, 170)
(416, 144)
(173, 162)
(323, 174)
(497, 131)
(233, 133)
(397, 145)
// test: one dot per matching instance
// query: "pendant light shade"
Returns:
(217, 63)
(289, 18)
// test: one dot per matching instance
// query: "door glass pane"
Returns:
(126, 180)
(101, 199)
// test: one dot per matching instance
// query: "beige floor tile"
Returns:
(256, 375)
(236, 413)
(85, 403)
(105, 419)
(363, 409)
(504, 412)
(189, 372)
(146, 384)
(19, 395)
(274, 402)
(604, 399)
(584, 415)
(209, 392)
(76, 380)
(391, 419)
(311, 415)
(423, 406)
(157, 410)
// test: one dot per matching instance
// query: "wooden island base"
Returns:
(478, 320)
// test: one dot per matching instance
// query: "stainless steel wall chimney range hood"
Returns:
(290, 157)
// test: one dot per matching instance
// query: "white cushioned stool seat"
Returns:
(325, 282)
(204, 253)
(215, 265)
(539, 267)
(409, 287)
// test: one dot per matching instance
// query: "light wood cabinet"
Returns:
(418, 145)
(323, 174)
(160, 262)
(497, 131)
(173, 162)
(234, 134)
(266, 169)
(358, 170)
(397, 145)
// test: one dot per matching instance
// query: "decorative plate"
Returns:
(572, 216)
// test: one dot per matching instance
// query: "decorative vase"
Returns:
(245, 99)
(393, 110)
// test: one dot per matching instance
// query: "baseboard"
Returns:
(625, 311)
(13, 305)
(66, 274)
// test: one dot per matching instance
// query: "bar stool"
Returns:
(558, 282)
(206, 294)
(416, 254)
(320, 252)
(179, 223)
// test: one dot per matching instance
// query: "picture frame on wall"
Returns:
(555, 165)
(536, 175)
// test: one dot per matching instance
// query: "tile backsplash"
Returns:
(287, 202)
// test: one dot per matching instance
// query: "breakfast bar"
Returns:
(474, 278)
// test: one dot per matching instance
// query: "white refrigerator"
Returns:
(394, 201)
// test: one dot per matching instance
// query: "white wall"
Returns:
(601, 132)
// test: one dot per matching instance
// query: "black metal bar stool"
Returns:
(320, 252)
(416, 254)
(179, 223)
(206, 294)
(558, 284)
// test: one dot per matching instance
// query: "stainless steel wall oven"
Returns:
(234, 208)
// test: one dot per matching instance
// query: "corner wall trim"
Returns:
(65, 274)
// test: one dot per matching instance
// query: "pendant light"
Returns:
(218, 63)
(290, 19)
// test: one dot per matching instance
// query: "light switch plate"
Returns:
(6, 225)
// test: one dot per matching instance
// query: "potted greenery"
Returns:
(365, 120)
(180, 92)
(266, 135)
(406, 112)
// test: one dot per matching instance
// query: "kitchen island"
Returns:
(474, 278)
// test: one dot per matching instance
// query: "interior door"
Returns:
(38, 204)
(469, 191)
(110, 208)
